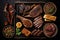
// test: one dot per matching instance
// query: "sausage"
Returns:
(39, 33)
(33, 31)
(36, 32)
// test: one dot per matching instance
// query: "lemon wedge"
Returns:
(18, 24)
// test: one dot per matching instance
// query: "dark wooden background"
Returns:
(2, 3)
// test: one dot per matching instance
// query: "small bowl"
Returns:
(52, 4)
(5, 34)
(54, 34)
